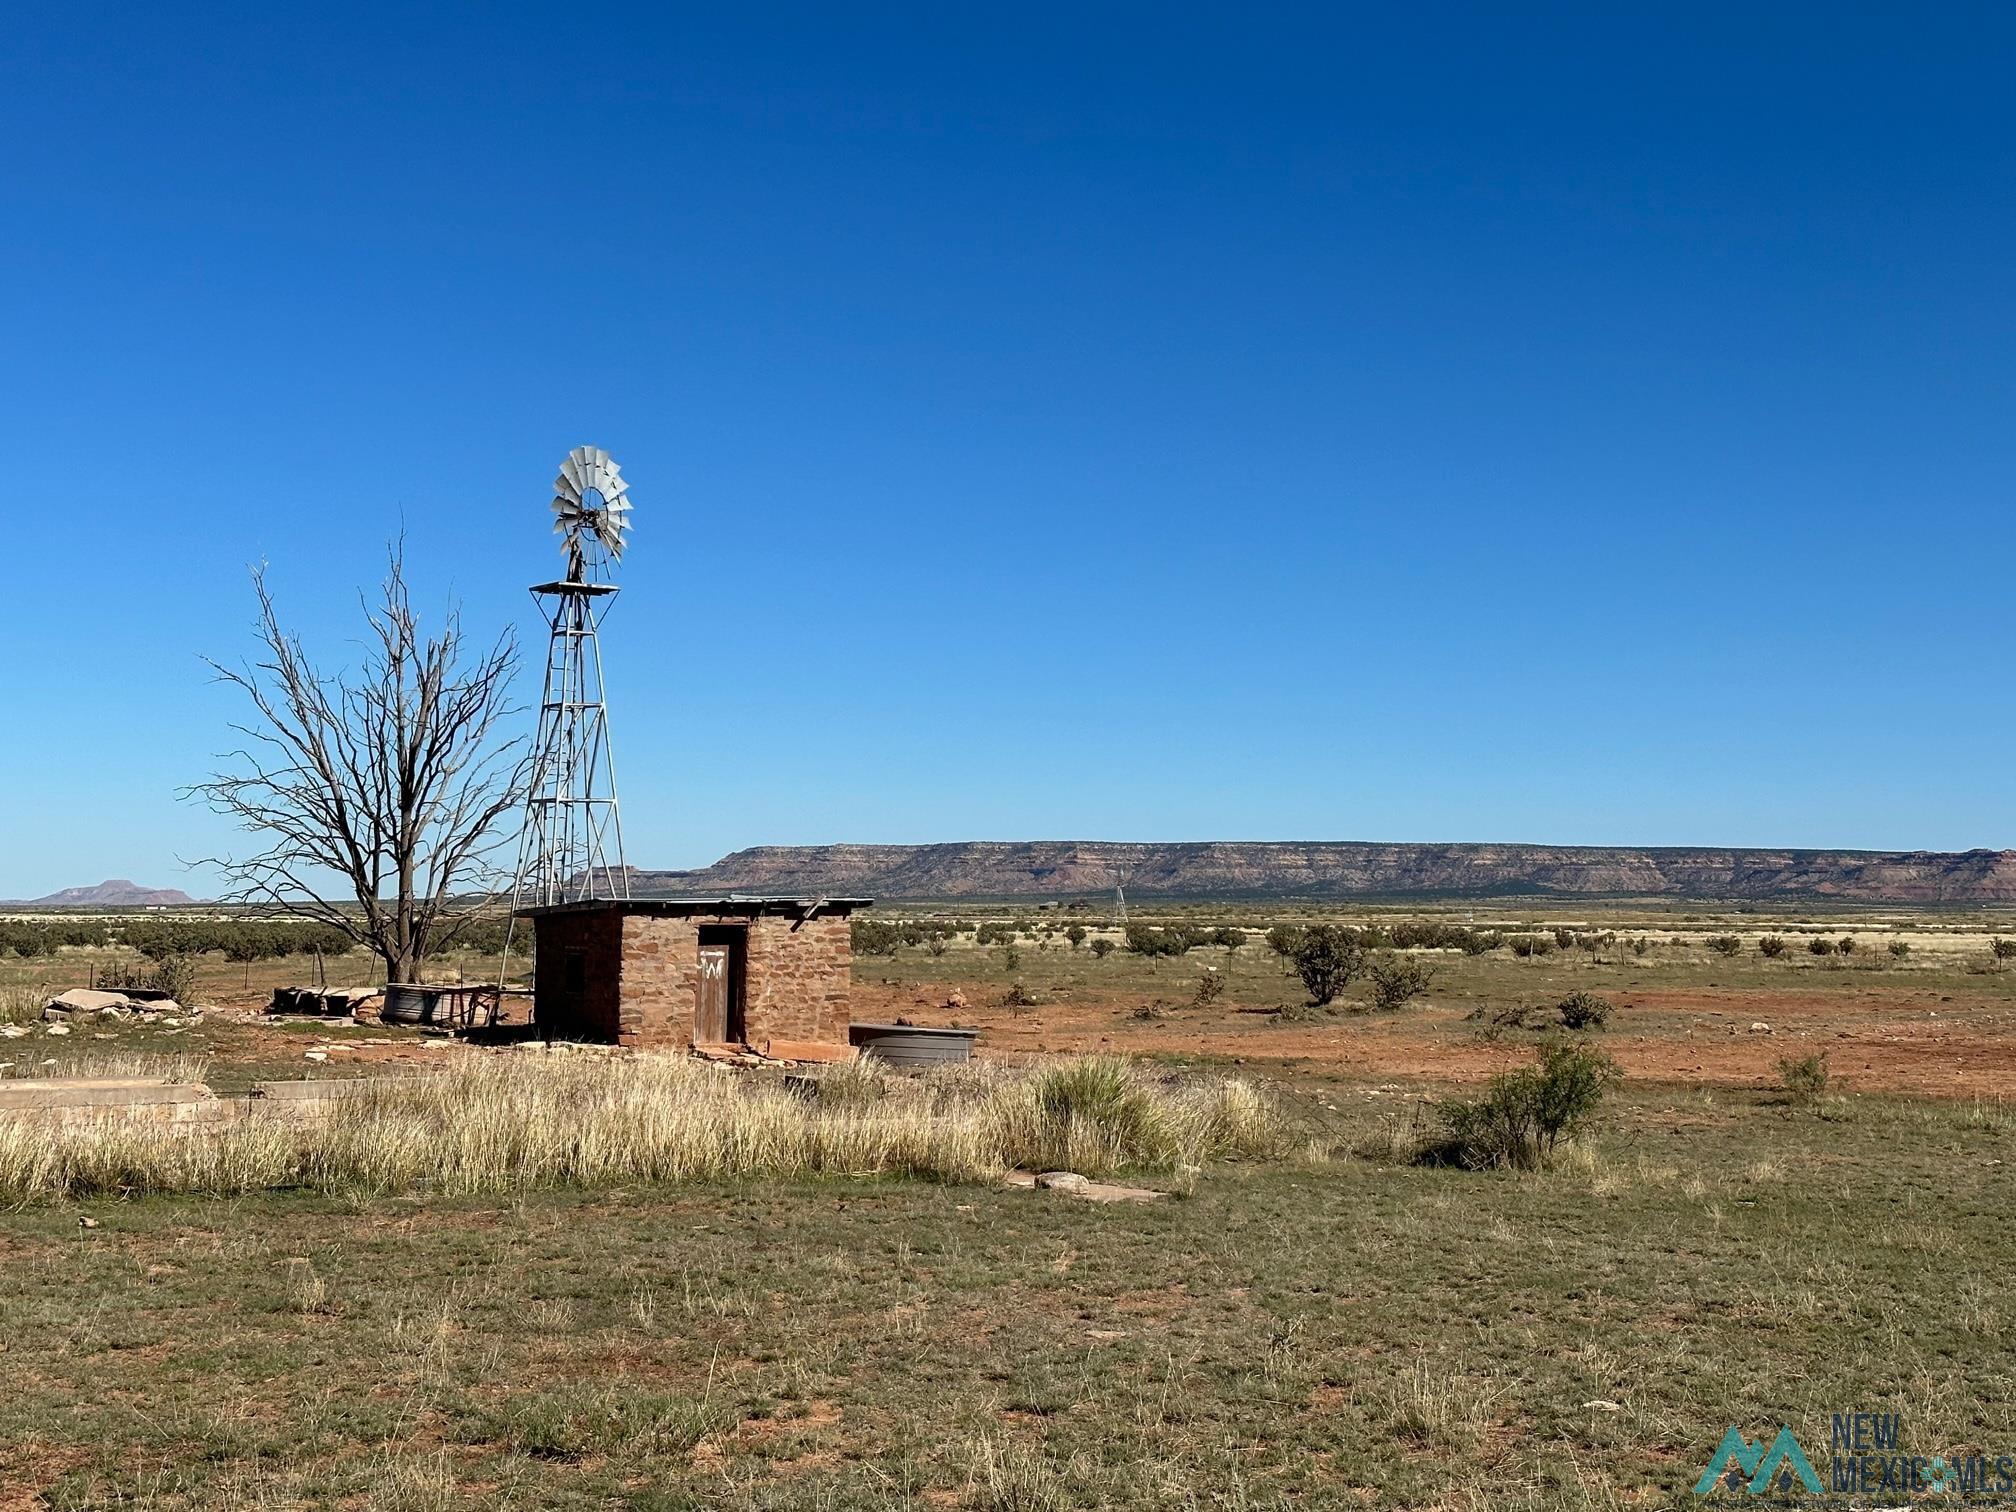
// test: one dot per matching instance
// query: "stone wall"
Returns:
(590, 1008)
(795, 983)
(799, 976)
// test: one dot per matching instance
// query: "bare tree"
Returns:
(389, 780)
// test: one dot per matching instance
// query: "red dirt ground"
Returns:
(1889, 1041)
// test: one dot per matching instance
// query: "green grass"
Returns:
(1356, 1332)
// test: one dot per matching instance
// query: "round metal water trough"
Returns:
(908, 1045)
(458, 1006)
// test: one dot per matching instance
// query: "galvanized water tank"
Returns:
(908, 1045)
(407, 1004)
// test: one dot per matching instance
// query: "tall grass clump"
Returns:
(503, 1123)
(1100, 1115)
(497, 1124)
(118, 1157)
(21, 1005)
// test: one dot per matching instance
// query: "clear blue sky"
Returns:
(1135, 422)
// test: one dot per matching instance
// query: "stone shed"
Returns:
(769, 973)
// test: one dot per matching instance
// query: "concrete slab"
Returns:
(98, 1092)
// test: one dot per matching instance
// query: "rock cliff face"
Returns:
(1344, 869)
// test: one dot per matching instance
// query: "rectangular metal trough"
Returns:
(909, 1045)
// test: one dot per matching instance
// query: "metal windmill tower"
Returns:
(571, 846)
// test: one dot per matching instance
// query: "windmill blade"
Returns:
(590, 507)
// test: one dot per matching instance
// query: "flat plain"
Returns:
(1344, 1328)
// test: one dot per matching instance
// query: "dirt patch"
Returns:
(1877, 1039)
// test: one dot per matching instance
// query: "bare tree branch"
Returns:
(394, 778)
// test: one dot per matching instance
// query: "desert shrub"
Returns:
(176, 976)
(1103, 947)
(120, 976)
(1724, 945)
(1176, 940)
(1497, 1020)
(1284, 940)
(1524, 1115)
(1210, 988)
(39, 937)
(1398, 979)
(1900, 949)
(1640, 945)
(1230, 938)
(2002, 950)
(1075, 935)
(1820, 945)
(874, 937)
(1326, 957)
(1584, 1010)
(1847, 945)
(1527, 946)
(1564, 939)
(1011, 958)
(1018, 996)
(1481, 942)
(1804, 1077)
(1426, 934)
(1772, 946)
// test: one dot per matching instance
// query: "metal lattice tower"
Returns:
(571, 846)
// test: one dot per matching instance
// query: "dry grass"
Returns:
(503, 1123)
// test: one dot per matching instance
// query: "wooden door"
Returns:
(710, 1019)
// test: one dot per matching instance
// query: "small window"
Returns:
(574, 974)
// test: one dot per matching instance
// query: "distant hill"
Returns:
(115, 894)
(981, 869)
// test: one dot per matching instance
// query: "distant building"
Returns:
(773, 974)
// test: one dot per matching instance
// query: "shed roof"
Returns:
(677, 907)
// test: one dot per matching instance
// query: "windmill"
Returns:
(571, 846)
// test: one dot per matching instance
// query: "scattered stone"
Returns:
(1760, 1027)
(84, 1000)
(1599, 1405)
(315, 1055)
(11, 1031)
(1073, 1185)
(56, 1029)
